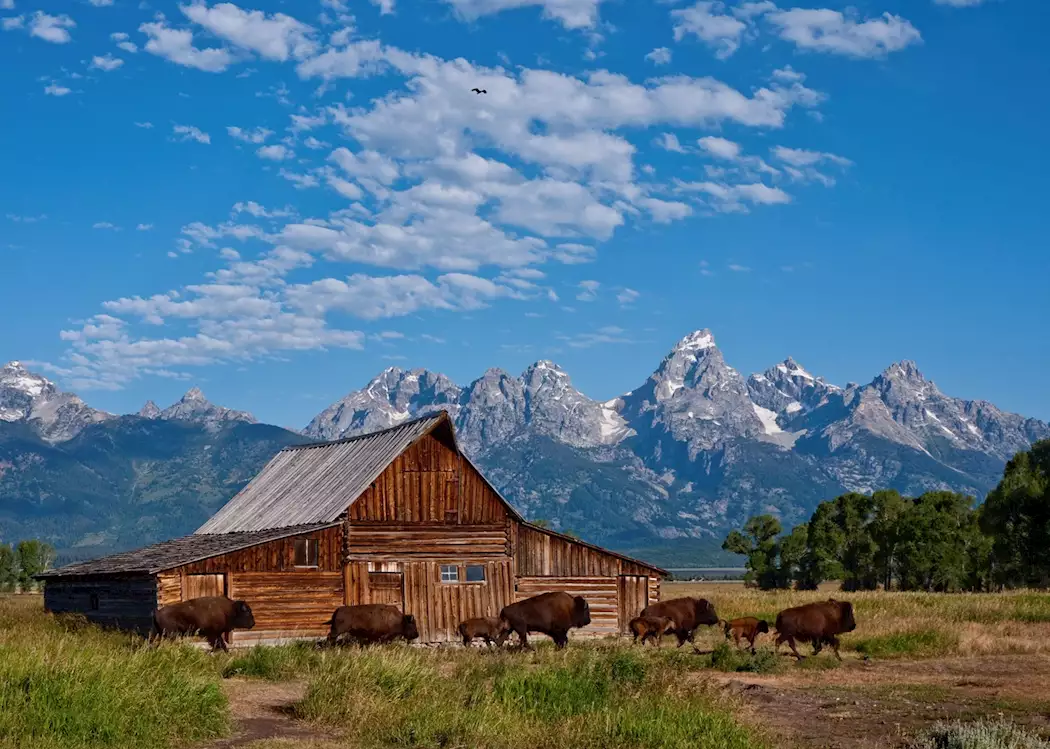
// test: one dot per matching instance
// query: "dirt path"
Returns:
(263, 710)
(862, 705)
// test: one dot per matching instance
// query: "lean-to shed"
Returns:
(398, 516)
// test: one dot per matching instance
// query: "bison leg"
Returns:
(818, 645)
(217, 642)
(834, 642)
(791, 644)
(561, 639)
(682, 636)
(523, 639)
(466, 641)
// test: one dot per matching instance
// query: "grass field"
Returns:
(914, 660)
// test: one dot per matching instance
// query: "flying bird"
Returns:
(479, 91)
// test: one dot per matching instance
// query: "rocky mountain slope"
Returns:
(663, 471)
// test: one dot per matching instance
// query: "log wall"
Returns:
(287, 604)
(124, 603)
(276, 556)
(542, 555)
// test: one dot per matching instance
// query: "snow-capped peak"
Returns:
(698, 340)
(28, 397)
(791, 368)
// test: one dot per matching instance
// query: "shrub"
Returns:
(979, 735)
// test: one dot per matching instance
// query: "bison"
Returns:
(651, 628)
(745, 628)
(371, 623)
(485, 627)
(552, 614)
(818, 623)
(687, 613)
(212, 617)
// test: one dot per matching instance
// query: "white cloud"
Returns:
(277, 37)
(831, 31)
(52, 29)
(800, 157)
(572, 14)
(275, 152)
(956, 3)
(736, 268)
(606, 334)
(256, 135)
(627, 296)
(25, 219)
(53, 89)
(304, 122)
(107, 62)
(659, 56)
(122, 41)
(105, 225)
(377, 297)
(254, 209)
(301, 181)
(669, 142)
(709, 22)
(314, 144)
(13, 22)
(144, 227)
(732, 198)
(7, 4)
(720, 147)
(176, 45)
(588, 291)
(144, 125)
(385, 6)
(189, 132)
(101, 3)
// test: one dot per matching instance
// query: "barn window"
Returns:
(449, 573)
(475, 573)
(306, 552)
(93, 602)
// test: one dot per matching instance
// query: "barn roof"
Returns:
(176, 552)
(316, 482)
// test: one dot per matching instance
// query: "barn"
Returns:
(398, 516)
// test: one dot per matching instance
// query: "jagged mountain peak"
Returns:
(194, 406)
(150, 410)
(31, 398)
(698, 340)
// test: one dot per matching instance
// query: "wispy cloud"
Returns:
(588, 291)
(189, 132)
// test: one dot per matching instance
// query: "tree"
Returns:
(34, 557)
(1016, 514)
(792, 553)
(889, 507)
(758, 543)
(938, 537)
(824, 541)
(853, 514)
(8, 569)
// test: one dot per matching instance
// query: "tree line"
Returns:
(18, 564)
(939, 541)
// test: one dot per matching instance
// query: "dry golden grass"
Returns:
(912, 624)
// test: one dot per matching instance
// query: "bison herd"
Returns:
(551, 614)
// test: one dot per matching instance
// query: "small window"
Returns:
(475, 573)
(93, 602)
(449, 573)
(306, 552)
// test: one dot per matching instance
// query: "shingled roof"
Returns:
(316, 482)
(176, 552)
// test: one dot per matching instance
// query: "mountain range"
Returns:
(661, 471)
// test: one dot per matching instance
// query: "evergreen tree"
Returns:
(1016, 514)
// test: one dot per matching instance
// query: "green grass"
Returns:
(922, 642)
(588, 697)
(978, 735)
(63, 684)
(274, 663)
(726, 657)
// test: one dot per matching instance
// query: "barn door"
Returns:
(387, 587)
(633, 597)
(198, 586)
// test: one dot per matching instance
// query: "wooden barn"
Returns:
(399, 516)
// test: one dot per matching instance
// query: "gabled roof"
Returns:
(600, 549)
(316, 482)
(176, 552)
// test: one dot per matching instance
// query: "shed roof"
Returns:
(316, 482)
(177, 552)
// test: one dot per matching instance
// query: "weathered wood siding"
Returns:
(169, 588)
(429, 483)
(440, 607)
(288, 604)
(398, 540)
(125, 603)
(633, 597)
(275, 556)
(601, 593)
(542, 555)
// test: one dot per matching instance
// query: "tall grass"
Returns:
(901, 624)
(588, 696)
(66, 685)
(979, 735)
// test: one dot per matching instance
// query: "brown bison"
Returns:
(745, 628)
(651, 628)
(687, 613)
(552, 614)
(371, 623)
(818, 623)
(212, 617)
(485, 627)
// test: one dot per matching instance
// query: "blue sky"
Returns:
(275, 201)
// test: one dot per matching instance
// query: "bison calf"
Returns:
(485, 627)
(212, 617)
(651, 628)
(818, 623)
(687, 614)
(552, 614)
(371, 623)
(745, 628)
